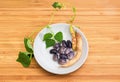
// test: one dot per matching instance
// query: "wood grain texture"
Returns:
(98, 19)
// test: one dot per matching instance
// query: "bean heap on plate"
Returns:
(62, 52)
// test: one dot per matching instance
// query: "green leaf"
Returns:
(49, 43)
(47, 36)
(24, 59)
(74, 9)
(28, 45)
(59, 36)
(57, 5)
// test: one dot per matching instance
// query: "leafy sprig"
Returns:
(57, 5)
(25, 57)
(50, 39)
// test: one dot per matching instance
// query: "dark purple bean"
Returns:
(67, 50)
(63, 56)
(53, 51)
(64, 43)
(62, 50)
(55, 57)
(57, 45)
(62, 61)
(69, 44)
(70, 55)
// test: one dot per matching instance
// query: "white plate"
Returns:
(44, 58)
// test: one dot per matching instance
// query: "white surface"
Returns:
(44, 58)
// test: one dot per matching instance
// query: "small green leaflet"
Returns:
(59, 36)
(48, 26)
(24, 59)
(57, 5)
(49, 42)
(47, 36)
(28, 45)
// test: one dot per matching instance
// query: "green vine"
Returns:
(25, 57)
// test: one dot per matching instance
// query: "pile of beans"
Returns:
(62, 52)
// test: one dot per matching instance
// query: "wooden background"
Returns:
(98, 19)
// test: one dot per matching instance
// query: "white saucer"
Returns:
(44, 58)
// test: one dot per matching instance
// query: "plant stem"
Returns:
(50, 21)
(31, 34)
(73, 17)
(30, 56)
